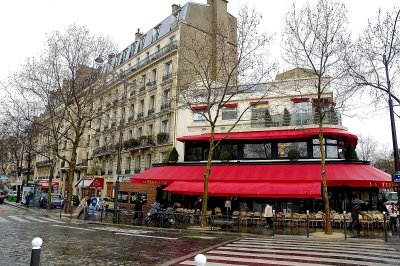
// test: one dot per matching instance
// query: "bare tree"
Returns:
(374, 65)
(367, 148)
(316, 39)
(228, 66)
(63, 80)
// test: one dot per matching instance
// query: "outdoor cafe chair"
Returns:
(257, 218)
(236, 216)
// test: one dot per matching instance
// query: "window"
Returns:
(141, 106)
(150, 130)
(128, 163)
(301, 113)
(258, 111)
(331, 148)
(172, 38)
(257, 151)
(156, 32)
(137, 164)
(123, 196)
(229, 113)
(199, 115)
(135, 194)
(167, 70)
(165, 126)
(142, 82)
(163, 157)
(130, 133)
(140, 131)
(131, 111)
(284, 148)
(154, 76)
(148, 161)
(152, 102)
(97, 143)
(194, 153)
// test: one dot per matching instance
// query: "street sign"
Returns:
(396, 177)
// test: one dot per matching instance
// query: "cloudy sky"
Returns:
(25, 23)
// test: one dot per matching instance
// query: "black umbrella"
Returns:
(357, 201)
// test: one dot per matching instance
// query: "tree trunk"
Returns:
(328, 226)
(206, 175)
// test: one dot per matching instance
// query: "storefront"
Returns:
(93, 186)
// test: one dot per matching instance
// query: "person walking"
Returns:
(355, 219)
(28, 199)
(393, 213)
(94, 203)
(268, 216)
(138, 209)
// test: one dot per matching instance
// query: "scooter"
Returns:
(159, 217)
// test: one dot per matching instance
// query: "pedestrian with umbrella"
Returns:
(355, 214)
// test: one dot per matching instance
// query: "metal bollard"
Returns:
(200, 260)
(36, 248)
(308, 221)
(273, 222)
(385, 226)
(345, 225)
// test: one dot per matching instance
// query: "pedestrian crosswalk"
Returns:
(27, 219)
(260, 251)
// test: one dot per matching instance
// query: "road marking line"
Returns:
(2, 220)
(35, 219)
(162, 237)
(71, 227)
(51, 220)
(18, 219)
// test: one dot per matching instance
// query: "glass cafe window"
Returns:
(199, 116)
(257, 151)
(331, 148)
(194, 153)
(284, 148)
(123, 197)
(135, 194)
(229, 113)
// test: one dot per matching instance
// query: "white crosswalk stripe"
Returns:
(16, 218)
(27, 219)
(2, 220)
(259, 251)
(36, 219)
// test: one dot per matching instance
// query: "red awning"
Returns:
(338, 174)
(275, 134)
(45, 184)
(97, 182)
(249, 189)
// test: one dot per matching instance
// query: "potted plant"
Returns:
(161, 137)
(351, 153)
(173, 155)
(225, 156)
(286, 118)
(293, 154)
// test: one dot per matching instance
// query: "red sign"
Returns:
(97, 183)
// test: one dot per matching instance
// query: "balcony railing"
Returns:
(150, 111)
(109, 172)
(162, 138)
(166, 105)
(167, 76)
(137, 170)
(151, 83)
(146, 141)
(300, 119)
(103, 150)
(130, 118)
(140, 115)
(44, 163)
(127, 171)
(141, 64)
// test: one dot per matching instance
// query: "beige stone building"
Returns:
(135, 101)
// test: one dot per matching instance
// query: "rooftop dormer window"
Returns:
(175, 20)
(156, 33)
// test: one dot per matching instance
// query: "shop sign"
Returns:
(396, 177)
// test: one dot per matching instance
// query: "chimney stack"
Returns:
(175, 8)
(138, 35)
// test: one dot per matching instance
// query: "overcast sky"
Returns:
(25, 23)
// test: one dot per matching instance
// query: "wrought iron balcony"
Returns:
(162, 138)
(44, 163)
(150, 111)
(138, 66)
(109, 172)
(140, 115)
(137, 170)
(165, 105)
(167, 77)
(127, 171)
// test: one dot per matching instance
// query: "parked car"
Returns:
(57, 201)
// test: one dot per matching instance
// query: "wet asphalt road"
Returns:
(67, 243)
